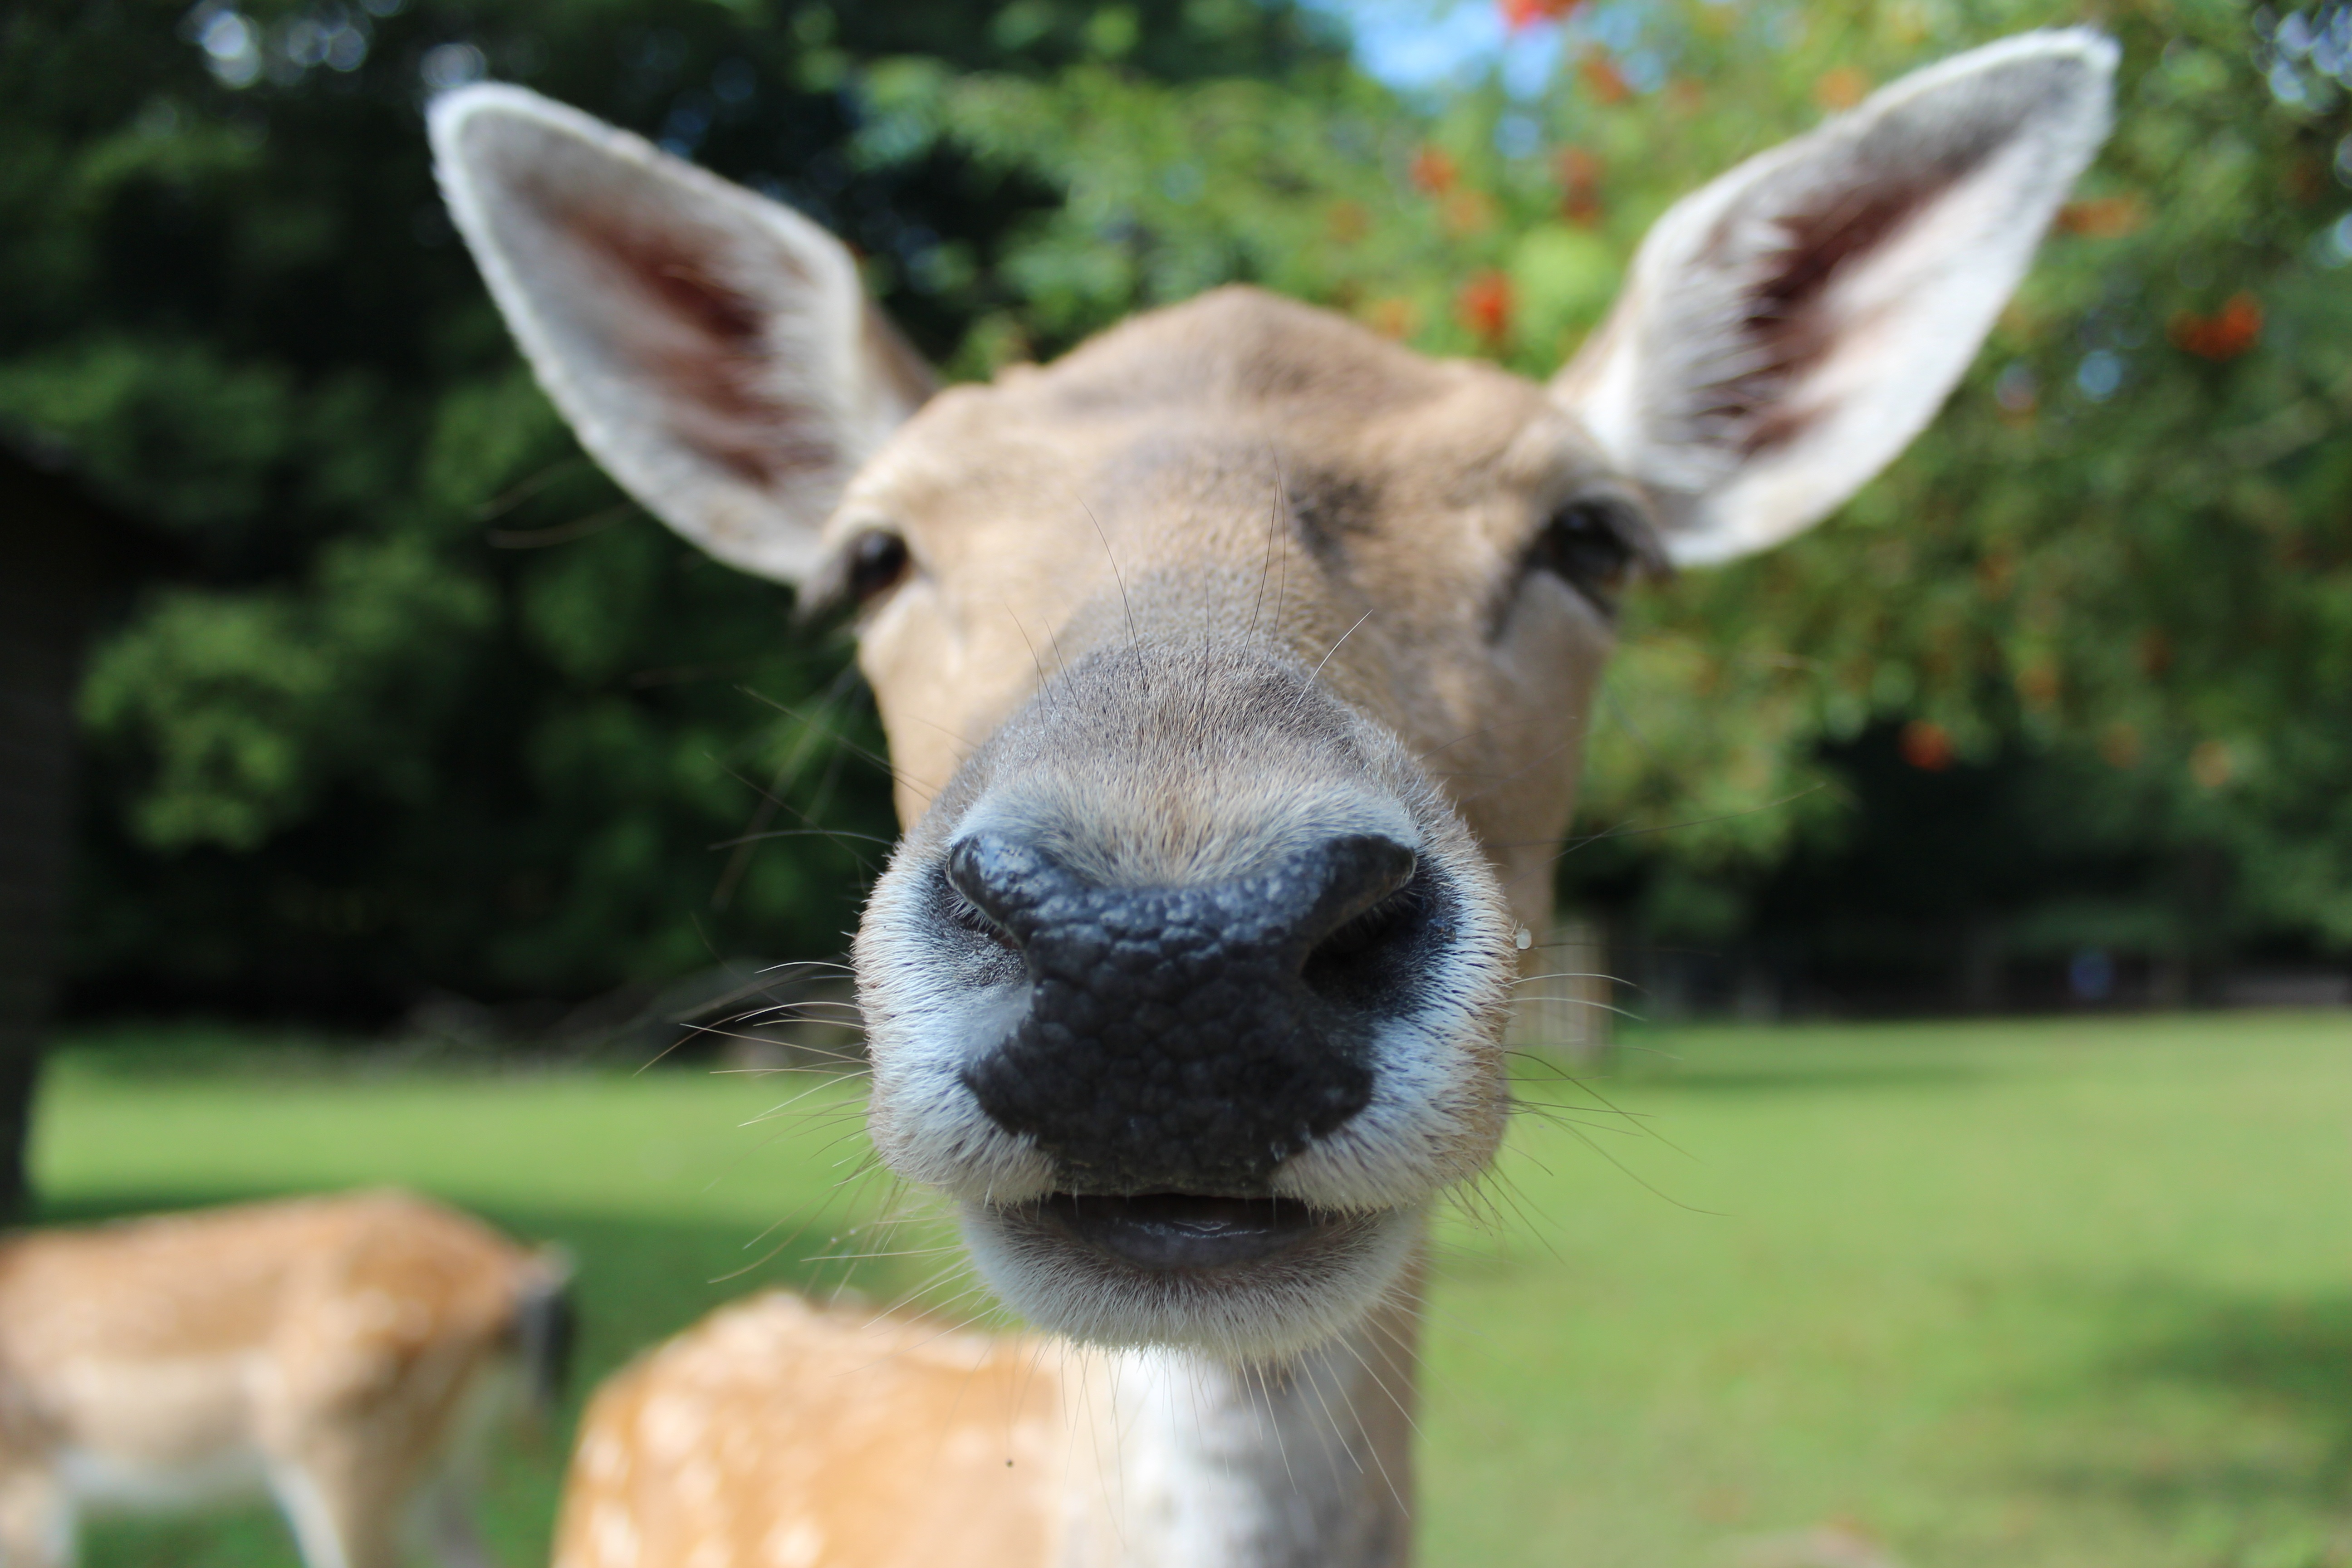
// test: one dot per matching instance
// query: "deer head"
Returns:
(1235, 666)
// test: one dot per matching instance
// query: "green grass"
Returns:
(2057, 1295)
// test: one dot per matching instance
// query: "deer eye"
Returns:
(1588, 545)
(877, 560)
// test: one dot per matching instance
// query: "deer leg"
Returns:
(37, 1520)
(339, 1519)
(451, 1530)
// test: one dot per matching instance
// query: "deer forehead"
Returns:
(1237, 465)
(1179, 439)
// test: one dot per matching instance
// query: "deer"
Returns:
(346, 1355)
(1235, 670)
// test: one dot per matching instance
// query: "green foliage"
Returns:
(439, 707)
(2117, 572)
(433, 704)
(251, 702)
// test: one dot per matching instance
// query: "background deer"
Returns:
(348, 1355)
(1235, 670)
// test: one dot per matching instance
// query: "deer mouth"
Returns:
(1158, 1232)
(1244, 1279)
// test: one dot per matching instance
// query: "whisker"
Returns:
(1335, 646)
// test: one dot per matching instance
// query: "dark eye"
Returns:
(877, 560)
(1585, 544)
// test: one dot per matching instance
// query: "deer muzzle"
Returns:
(1190, 1040)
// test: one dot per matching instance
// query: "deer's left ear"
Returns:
(1786, 331)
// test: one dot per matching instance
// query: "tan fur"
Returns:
(330, 1347)
(778, 1432)
(1233, 582)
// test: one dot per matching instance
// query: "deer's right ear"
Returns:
(1788, 329)
(713, 348)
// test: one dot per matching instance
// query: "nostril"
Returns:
(1355, 876)
(966, 874)
(1384, 920)
(982, 890)
(1370, 957)
(975, 920)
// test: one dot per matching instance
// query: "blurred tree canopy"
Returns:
(436, 706)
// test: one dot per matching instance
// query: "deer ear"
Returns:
(713, 348)
(1786, 331)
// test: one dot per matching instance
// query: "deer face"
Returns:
(1235, 666)
(1192, 973)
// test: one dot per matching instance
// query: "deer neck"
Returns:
(1197, 1464)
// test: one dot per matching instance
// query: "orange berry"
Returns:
(1926, 745)
(1434, 170)
(1485, 306)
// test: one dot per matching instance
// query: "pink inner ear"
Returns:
(1786, 324)
(1789, 328)
(702, 345)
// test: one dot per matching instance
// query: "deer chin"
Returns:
(1245, 1281)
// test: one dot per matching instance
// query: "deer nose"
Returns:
(1191, 1039)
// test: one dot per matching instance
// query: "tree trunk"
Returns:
(1567, 995)
(54, 557)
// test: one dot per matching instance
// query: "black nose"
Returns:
(1189, 1039)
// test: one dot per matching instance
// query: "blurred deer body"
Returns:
(1236, 668)
(345, 1355)
(780, 1433)
(775, 1433)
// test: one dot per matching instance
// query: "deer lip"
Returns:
(1167, 1231)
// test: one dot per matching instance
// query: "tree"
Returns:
(436, 706)
(2113, 582)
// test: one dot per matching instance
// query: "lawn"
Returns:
(2043, 1295)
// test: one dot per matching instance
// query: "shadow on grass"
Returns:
(637, 1281)
(2270, 1441)
(1832, 1077)
(2293, 1356)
